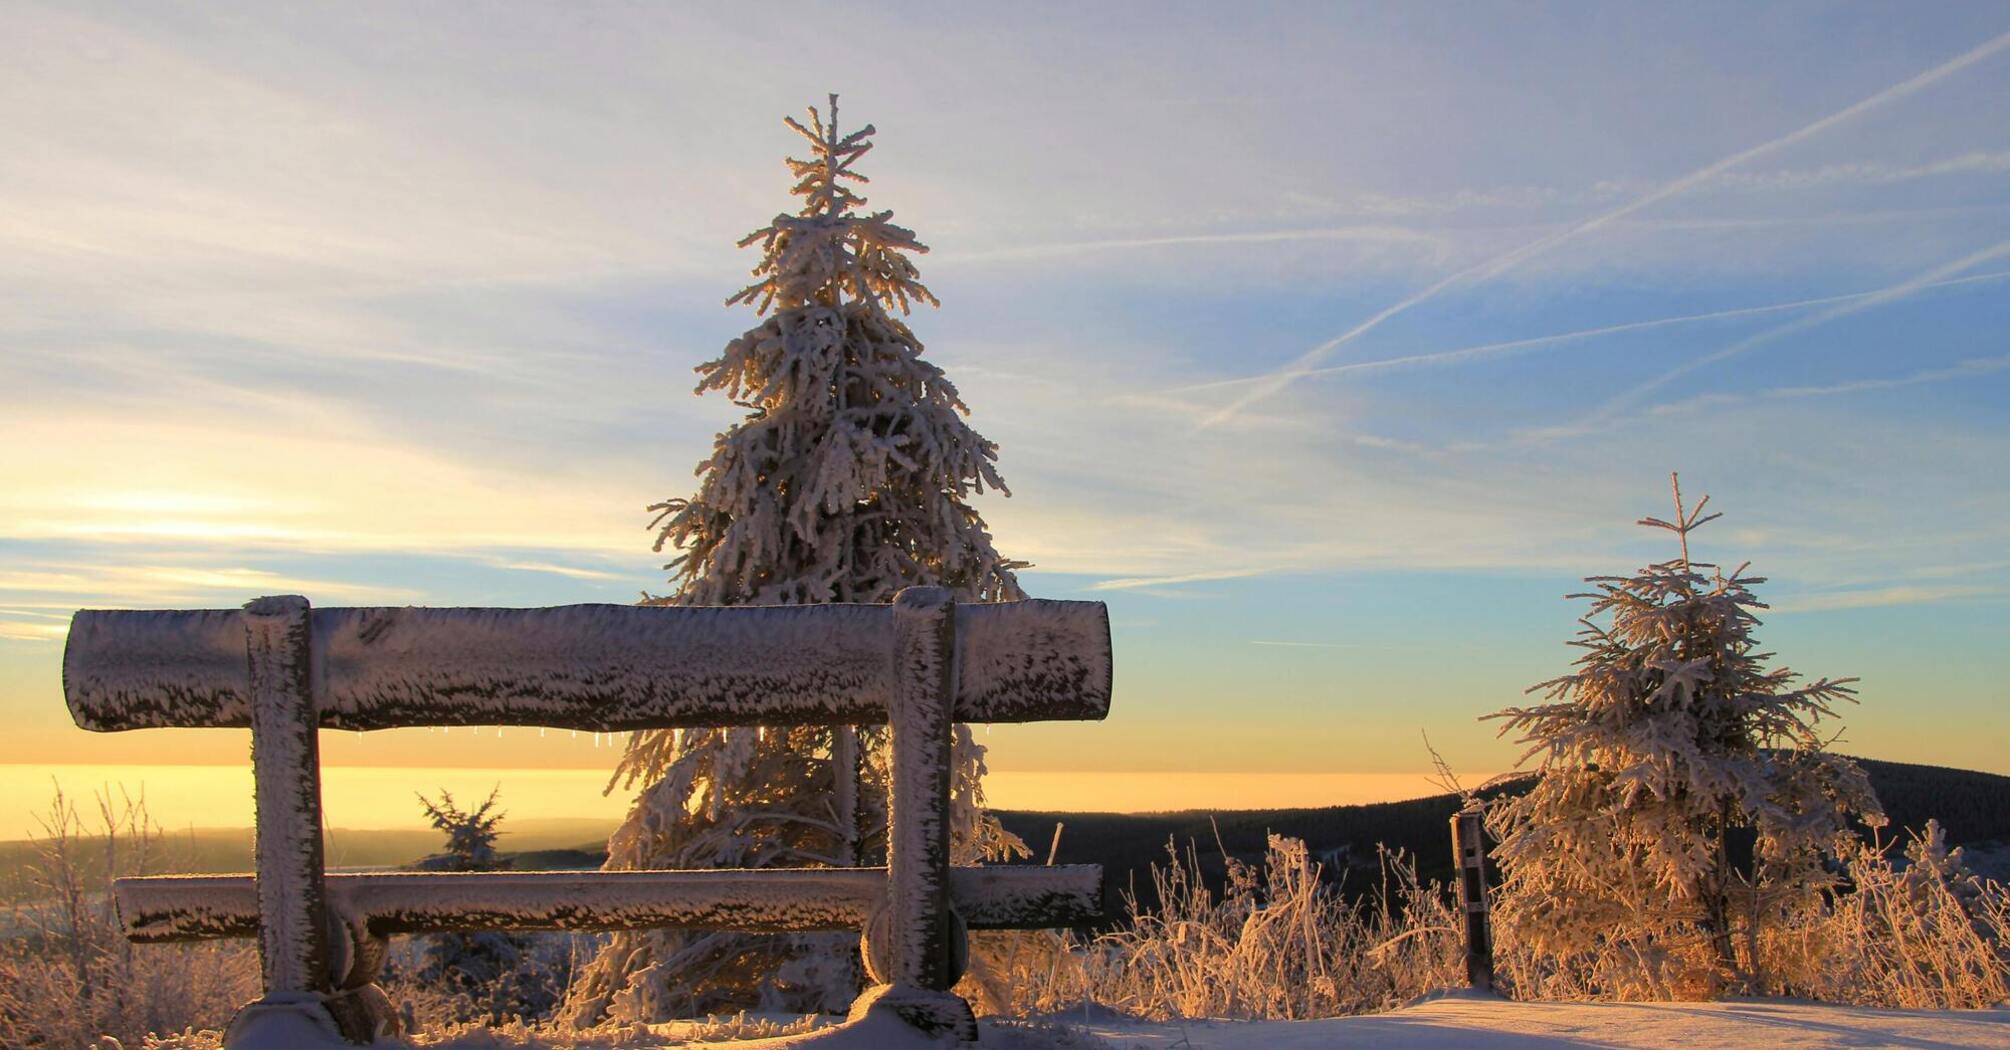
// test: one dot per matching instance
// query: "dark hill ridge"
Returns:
(1974, 807)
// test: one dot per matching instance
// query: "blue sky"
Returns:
(1329, 344)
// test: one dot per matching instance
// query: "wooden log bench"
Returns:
(285, 670)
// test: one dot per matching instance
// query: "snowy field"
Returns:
(1492, 1024)
(1453, 1022)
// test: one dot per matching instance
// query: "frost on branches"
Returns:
(1685, 801)
(847, 480)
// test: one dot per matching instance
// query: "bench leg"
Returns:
(914, 947)
(297, 1009)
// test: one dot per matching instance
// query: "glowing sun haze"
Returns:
(1328, 344)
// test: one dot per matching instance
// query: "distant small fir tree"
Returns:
(849, 478)
(1671, 742)
(471, 835)
(492, 977)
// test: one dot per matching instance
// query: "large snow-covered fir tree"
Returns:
(848, 479)
(1669, 748)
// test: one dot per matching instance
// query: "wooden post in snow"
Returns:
(922, 953)
(292, 896)
(286, 756)
(917, 858)
(1469, 849)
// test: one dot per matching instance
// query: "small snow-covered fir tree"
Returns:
(471, 834)
(1671, 744)
(848, 479)
(488, 976)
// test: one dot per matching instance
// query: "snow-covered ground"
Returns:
(1453, 1022)
(1462, 1023)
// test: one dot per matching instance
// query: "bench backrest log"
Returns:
(286, 670)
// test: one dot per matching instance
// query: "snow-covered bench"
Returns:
(285, 671)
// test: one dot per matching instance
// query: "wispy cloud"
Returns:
(33, 631)
(1139, 582)
(143, 585)
(1881, 597)
(571, 571)
(300, 480)
(1484, 271)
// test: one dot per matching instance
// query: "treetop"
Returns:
(825, 254)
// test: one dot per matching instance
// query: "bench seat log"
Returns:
(166, 908)
(592, 667)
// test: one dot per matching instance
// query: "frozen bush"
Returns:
(68, 976)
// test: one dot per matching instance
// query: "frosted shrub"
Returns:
(1277, 944)
(1918, 934)
(67, 974)
(1926, 934)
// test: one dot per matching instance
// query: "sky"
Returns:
(1330, 345)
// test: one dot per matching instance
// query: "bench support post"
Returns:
(916, 947)
(293, 934)
(286, 755)
(1469, 851)
(294, 942)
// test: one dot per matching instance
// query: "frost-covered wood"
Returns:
(596, 667)
(285, 751)
(164, 908)
(1470, 853)
(919, 948)
(601, 667)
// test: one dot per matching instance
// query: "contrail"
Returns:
(1974, 366)
(1936, 276)
(1376, 234)
(1484, 350)
(1277, 381)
